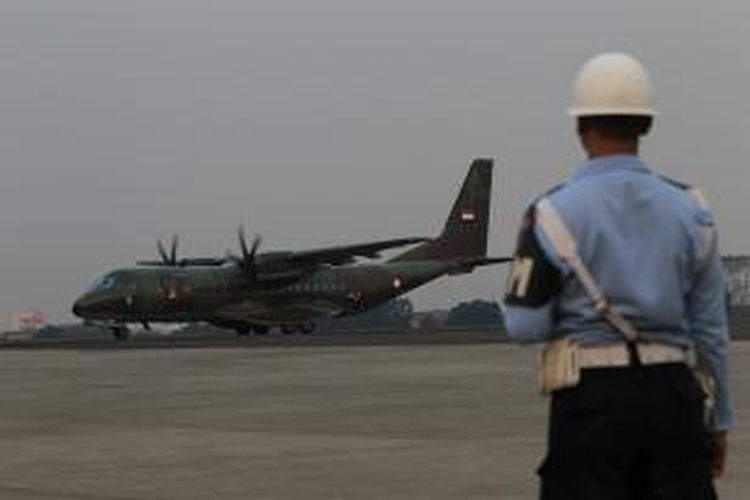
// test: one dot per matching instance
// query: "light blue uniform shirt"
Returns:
(642, 238)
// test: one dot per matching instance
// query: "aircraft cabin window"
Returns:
(104, 283)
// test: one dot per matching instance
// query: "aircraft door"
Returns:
(130, 297)
(176, 294)
(222, 287)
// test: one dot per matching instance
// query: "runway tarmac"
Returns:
(233, 341)
(419, 421)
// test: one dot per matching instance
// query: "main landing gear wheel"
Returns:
(261, 329)
(287, 329)
(243, 330)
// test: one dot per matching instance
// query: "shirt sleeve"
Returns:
(534, 283)
(707, 317)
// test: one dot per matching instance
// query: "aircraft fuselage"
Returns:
(293, 288)
(159, 294)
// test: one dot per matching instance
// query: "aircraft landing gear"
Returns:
(245, 329)
(261, 329)
(304, 328)
(120, 332)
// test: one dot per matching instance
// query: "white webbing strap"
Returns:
(562, 241)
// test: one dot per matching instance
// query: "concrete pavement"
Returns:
(379, 422)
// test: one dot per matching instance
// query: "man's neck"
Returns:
(607, 147)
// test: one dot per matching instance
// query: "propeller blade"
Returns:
(254, 248)
(252, 263)
(247, 261)
(162, 252)
(173, 253)
(243, 242)
(168, 258)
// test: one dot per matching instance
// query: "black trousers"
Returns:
(628, 433)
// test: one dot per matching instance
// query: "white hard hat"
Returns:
(612, 83)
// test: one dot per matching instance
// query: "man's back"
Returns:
(638, 235)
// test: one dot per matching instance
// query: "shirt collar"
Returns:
(605, 164)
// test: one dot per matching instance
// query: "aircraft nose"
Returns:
(77, 309)
(81, 306)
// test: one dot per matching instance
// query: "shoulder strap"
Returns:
(562, 241)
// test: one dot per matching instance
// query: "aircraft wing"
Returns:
(335, 256)
(191, 261)
(340, 255)
(467, 265)
(488, 261)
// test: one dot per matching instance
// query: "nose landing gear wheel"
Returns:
(121, 333)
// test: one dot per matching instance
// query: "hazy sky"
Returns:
(327, 122)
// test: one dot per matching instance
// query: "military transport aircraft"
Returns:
(255, 291)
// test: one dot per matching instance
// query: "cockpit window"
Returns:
(104, 283)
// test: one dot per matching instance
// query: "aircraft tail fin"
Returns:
(464, 235)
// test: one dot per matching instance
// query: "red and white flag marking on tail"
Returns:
(468, 215)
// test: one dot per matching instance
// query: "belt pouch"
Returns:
(708, 385)
(559, 367)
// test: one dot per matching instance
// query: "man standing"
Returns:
(619, 273)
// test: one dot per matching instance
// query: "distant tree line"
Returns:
(399, 314)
